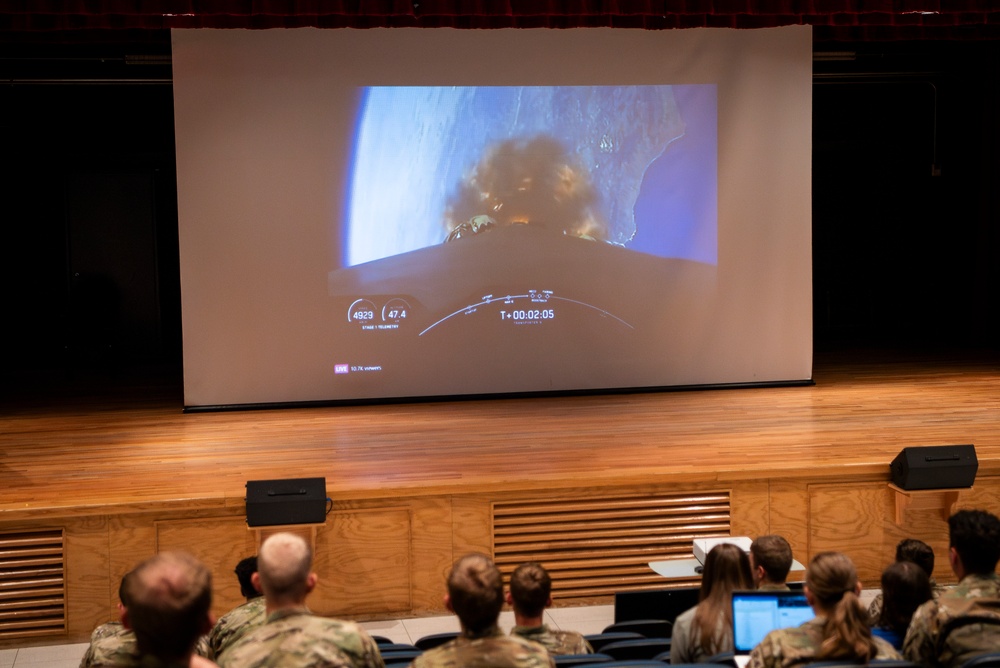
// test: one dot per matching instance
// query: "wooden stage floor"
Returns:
(128, 445)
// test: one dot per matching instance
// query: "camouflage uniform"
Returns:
(112, 644)
(798, 645)
(295, 637)
(557, 642)
(774, 586)
(235, 624)
(921, 640)
(686, 648)
(490, 649)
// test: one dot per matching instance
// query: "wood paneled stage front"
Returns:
(593, 486)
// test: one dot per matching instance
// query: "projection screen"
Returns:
(399, 213)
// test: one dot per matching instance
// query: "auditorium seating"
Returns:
(599, 640)
(648, 628)
(644, 648)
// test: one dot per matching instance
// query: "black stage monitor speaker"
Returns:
(935, 467)
(290, 501)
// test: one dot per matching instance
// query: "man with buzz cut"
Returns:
(291, 636)
(475, 595)
(770, 561)
(529, 594)
(168, 601)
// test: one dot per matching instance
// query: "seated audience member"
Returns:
(168, 601)
(475, 595)
(944, 631)
(838, 632)
(917, 552)
(111, 644)
(530, 593)
(770, 561)
(291, 636)
(905, 587)
(237, 622)
(707, 628)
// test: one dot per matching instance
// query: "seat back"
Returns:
(645, 648)
(565, 660)
(435, 639)
(599, 640)
(648, 628)
(991, 660)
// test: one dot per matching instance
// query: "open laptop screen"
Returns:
(757, 613)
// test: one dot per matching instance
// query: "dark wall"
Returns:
(905, 214)
(905, 208)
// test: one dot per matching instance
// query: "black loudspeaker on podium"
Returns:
(935, 467)
(289, 501)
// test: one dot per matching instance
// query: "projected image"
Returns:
(496, 237)
(631, 166)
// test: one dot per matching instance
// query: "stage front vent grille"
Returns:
(32, 584)
(595, 547)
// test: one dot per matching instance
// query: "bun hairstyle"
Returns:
(832, 580)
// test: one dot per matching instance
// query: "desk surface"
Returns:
(690, 568)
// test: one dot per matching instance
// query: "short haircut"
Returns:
(975, 535)
(917, 552)
(244, 573)
(773, 553)
(283, 565)
(530, 588)
(475, 588)
(169, 597)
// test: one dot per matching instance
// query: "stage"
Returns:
(593, 486)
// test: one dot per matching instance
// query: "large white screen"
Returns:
(409, 212)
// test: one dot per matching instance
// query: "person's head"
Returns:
(283, 570)
(832, 588)
(727, 568)
(905, 587)
(244, 573)
(974, 542)
(475, 592)
(530, 590)
(770, 559)
(168, 599)
(122, 595)
(917, 552)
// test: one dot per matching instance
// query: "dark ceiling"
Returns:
(63, 22)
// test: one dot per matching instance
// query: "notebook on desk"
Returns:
(757, 613)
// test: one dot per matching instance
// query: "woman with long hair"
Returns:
(905, 587)
(838, 632)
(707, 628)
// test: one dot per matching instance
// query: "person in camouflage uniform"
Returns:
(291, 636)
(770, 561)
(973, 552)
(839, 631)
(242, 619)
(529, 594)
(475, 595)
(112, 644)
(168, 602)
(921, 554)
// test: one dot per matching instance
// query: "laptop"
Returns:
(757, 613)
